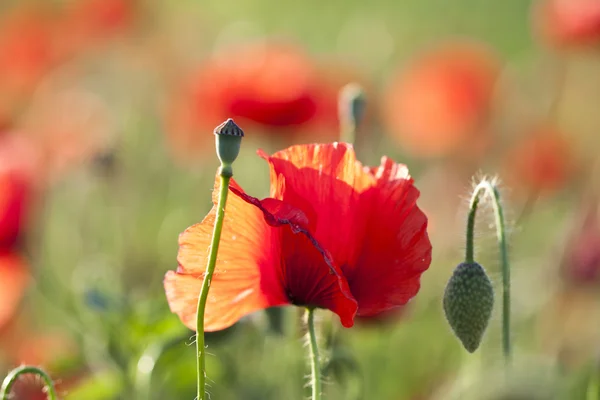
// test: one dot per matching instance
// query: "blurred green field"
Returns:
(101, 238)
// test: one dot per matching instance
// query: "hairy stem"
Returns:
(13, 375)
(488, 187)
(210, 268)
(315, 362)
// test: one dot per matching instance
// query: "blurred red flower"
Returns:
(567, 23)
(14, 278)
(26, 52)
(542, 162)
(333, 234)
(581, 261)
(440, 103)
(273, 86)
(17, 169)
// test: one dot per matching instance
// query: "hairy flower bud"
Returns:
(468, 303)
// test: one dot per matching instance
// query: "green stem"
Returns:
(13, 375)
(315, 368)
(348, 134)
(593, 389)
(489, 187)
(210, 268)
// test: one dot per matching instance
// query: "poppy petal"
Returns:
(245, 277)
(309, 273)
(396, 249)
(325, 181)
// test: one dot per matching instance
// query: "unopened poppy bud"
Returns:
(351, 105)
(468, 303)
(228, 140)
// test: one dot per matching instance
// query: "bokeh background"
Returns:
(106, 154)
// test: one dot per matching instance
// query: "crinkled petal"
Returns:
(395, 249)
(246, 276)
(308, 272)
(366, 217)
(325, 181)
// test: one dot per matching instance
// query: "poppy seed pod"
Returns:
(468, 303)
(228, 140)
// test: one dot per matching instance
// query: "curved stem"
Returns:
(489, 187)
(315, 367)
(210, 268)
(13, 375)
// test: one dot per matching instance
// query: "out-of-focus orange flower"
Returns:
(542, 162)
(68, 124)
(267, 84)
(441, 101)
(568, 23)
(26, 51)
(17, 170)
(85, 22)
(335, 235)
(14, 278)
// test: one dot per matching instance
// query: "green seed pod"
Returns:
(228, 140)
(468, 303)
(351, 105)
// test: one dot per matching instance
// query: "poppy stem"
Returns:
(489, 187)
(225, 172)
(315, 362)
(13, 375)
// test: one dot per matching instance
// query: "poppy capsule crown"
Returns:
(228, 138)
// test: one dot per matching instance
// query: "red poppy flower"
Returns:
(266, 84)
(14, 278)
(568, 23)
(17, 158)
(543, 161)
(333, 234)
(441, 101)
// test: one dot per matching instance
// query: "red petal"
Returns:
(367, 219)
(309, 274)
(395, 249)
(325, 182)
(246, 275)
